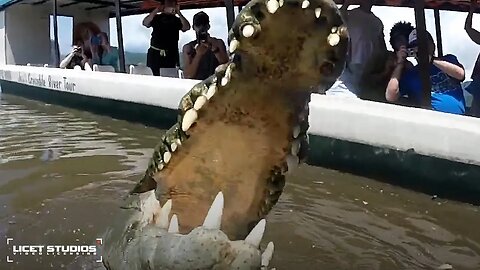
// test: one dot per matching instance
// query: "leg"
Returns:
(153, 61)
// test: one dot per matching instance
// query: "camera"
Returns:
(96, 40)
(412, 52)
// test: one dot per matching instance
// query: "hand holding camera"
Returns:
(402, 55)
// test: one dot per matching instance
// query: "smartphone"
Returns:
(96, 40)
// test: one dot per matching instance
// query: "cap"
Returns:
(201, 18)
(412, 38)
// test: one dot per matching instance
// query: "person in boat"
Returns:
(75, 58)
(83, 35)
(446, 75)
(399, 34)
(205, 53)
(163, 51)
(474, 87)
(367, 53)
(104, 53)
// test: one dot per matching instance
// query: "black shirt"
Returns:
(207, 64)
(165, 34)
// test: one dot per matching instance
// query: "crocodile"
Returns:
(219, 170)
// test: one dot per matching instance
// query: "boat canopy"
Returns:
(128, 7)
(133, 7)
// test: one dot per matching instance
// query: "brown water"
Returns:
(324, 220)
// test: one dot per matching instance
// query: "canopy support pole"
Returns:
(230, 13)
(424, 65)
(56, 49)
(121, 50)
(438, 31)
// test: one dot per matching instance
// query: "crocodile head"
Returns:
(239, 132)
(292, 44)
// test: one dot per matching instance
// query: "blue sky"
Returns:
(455, 40)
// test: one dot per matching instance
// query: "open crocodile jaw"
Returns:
(241, 130)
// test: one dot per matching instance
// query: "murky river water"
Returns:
(324, 220)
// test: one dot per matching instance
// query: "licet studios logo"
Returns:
(53, 250)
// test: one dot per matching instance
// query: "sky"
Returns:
(136, 37)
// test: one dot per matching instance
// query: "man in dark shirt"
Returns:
(205, 53)
(163, 51)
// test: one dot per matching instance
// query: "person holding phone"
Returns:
(75, 58)
(204, 54)
(163, 51)
(446, 75)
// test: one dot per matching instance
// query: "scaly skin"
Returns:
(239, 132)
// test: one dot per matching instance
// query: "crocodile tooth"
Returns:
(233, 45)
(292, 162)
(213, 220)
(173, 227)
(305, 4)
(333, 39)
(267, 254)
(201, 100)
(281, 2)
(179, 142)
(272, 6)
(211, 91)
(166, 157)
(160, 166)
(318, 11)
(164, 213)
(296, 131)
(255, 236)
(173, 146)
(295, 147)
(189, 118)
(248, 30)
(225, 81)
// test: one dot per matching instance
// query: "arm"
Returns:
(185, 25)
(67, 60)
(221, 52)
(191, 63)
(453, 70)
(472, 33)
(147, 21)
(392, 92)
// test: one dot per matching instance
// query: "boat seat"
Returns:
(140, 70)
(103, 68)
(88, 67)
(171, 72)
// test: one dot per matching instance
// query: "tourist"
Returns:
(446, 75)
(367, 52)
(74, 58)
(397, 61)
(163, 51)
(474, 87)
(205, 53)
(104, 53)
